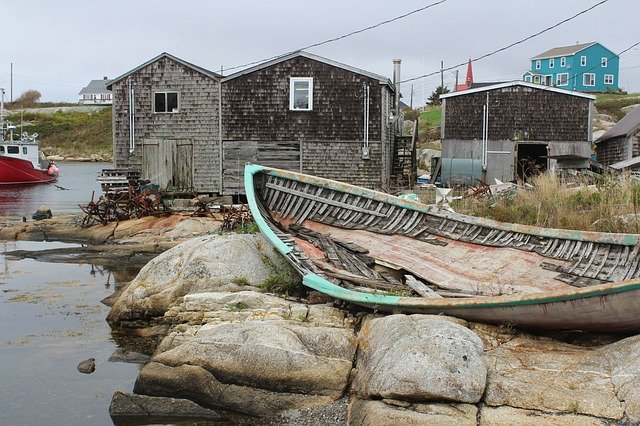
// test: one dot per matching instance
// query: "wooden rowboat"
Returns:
(397, 255)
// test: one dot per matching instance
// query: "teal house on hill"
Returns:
(587, 67)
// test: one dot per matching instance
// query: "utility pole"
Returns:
(441, 73)
(411, 98)
(455, 88)
(11, 92)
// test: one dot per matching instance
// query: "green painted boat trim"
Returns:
(325, 286)
(249, 171)
(481, 302)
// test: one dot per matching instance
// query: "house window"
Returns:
(583, 61)
(538, 64)
(589, 79)
(562, 79)
(551, 63)
(536, 79)
(563, 61)
(603, 62)
(165, 102)
(527, 78)
(608, 79)
(301, 93)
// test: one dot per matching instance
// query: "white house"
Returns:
(96, 93)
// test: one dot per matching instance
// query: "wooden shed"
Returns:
(166, 123)
(308, 114)
(621, 142)
(511, 131)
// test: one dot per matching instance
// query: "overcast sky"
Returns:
(58, 46)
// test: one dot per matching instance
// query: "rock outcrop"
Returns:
(199, 265)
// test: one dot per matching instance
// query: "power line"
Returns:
(486, 55)
(342, 36)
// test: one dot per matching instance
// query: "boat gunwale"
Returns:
(577, 235)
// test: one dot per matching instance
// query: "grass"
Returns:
(429, 126)
(611, 205)
(69, 134)
(281, 280)
(612, 103)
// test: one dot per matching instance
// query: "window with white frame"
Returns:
(165, 102)
(583, 61)
(301, 93)
(527, 78)
(608, 79)
(562, 79)
(604, 62)
(589, 79)
(552, 63)
(538, 64)
(563, 61)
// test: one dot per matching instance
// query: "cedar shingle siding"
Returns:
(223, 123)
(256, 110)
(518, 113)
(194, 129)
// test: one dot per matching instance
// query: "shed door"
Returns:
(168, 163)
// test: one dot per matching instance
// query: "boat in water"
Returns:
(21, 161)
(398, 255)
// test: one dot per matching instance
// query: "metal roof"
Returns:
(625, 164)
(563, 51)
(163, 55)
(518, 83)
(629, 124)
(381, 79)
(95, 86)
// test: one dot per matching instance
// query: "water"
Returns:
(51, 319)
(77, 179)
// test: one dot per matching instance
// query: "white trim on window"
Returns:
(301, 93)
(563, 61)
(562, 79)
(527, 78)
(538, 64)
(608, 79)
(588, 79)
(583, 61)
(603, 62)
(552, 63)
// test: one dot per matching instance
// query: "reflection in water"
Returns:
(75, 186)
(52, 319)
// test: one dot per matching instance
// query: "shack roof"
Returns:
(629, 124)
(157, 58)
(518, 83)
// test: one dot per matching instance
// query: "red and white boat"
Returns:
(21, 161)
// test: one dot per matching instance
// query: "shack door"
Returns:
(531, 160)
(168, 163)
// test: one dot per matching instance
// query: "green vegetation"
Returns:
(281, 280)
(238, 307)
(610, 205)
(69, 134)
(612, 103)
(247, 228)
(240, 280)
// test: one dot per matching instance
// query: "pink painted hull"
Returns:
(17, 171)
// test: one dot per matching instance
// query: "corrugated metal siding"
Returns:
(197, 120)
